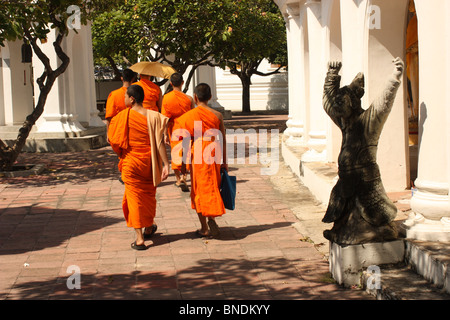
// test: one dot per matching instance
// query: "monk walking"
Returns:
(136, 145)
(116, 99)
(174, 104)
(205, 125)
(152, 92)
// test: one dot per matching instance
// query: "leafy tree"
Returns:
(180, 33)
(183, 33)
(238, 34)
(33, 20)
(256, 32)
(116, 35)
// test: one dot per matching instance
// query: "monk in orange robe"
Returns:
(130, 139)
(116, 99)
(176, 103)
(153, 95)
(205, 125)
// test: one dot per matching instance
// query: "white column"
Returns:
(431, 203)
(53, 118)
(386, 41)
(207, 74)
(72, 79)
(317, 71)
(296, 75)
(89, 85)
(353, 24)
(332, 52)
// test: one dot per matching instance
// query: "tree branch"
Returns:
(269, 73)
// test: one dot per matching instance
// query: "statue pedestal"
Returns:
(347, 262)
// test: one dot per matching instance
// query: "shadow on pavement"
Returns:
(74, 167)
(29, 228)
(264, 279)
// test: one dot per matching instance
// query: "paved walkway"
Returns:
(71, 215)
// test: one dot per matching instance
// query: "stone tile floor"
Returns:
(71, 215)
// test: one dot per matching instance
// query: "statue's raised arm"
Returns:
(331, 88)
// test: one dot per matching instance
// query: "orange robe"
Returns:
(129, 138)
(175, 104)
(205, 162)
(151, 94)
(115, 103)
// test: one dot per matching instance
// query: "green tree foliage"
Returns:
(234, 34)
(180, 33)
(116, 35)
(32, 21)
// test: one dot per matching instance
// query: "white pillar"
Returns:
(431, 204)
(89, 84)
(353, 24)
(386, 41)
(54, 119)
(317, 71)
(207, 74)
(332, 52)
(296, 75)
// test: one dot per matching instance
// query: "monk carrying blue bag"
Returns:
(228, 189)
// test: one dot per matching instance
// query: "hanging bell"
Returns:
(27, 53)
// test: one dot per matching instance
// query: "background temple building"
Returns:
(366, 35)
(70, 120)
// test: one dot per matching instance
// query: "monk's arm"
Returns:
(163, 154)
(159, 102)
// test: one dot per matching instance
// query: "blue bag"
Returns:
(228, 189)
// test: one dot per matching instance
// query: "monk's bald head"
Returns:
(129, 75)
(136, 92)
(203, 92)
(176, 79)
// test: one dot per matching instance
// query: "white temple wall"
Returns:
(17, 96)
(386, 41)
(266, 93)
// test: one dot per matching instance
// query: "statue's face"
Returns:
(344, 105)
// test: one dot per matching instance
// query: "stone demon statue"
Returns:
(359, 206)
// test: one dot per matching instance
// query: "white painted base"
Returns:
(294, 141)
(419, 228)
(348, 262)
(314, 156)
(310, 173)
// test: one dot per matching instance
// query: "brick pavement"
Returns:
(71, 215)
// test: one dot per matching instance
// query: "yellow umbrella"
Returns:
(155, 69)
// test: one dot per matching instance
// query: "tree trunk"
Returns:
(245, 92)
(117, 73)
(9, 155)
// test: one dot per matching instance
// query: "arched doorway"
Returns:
(412, 73)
